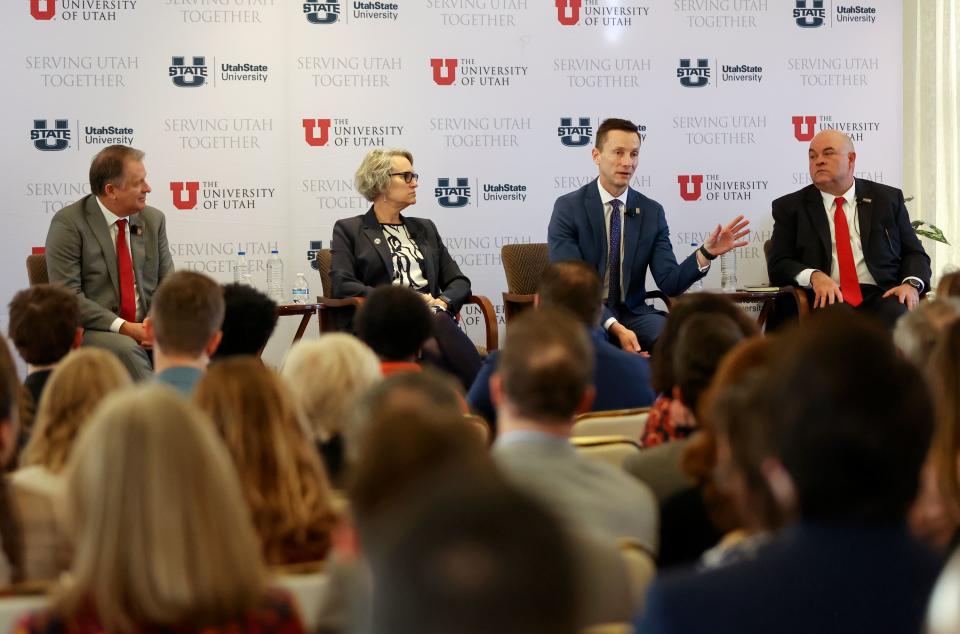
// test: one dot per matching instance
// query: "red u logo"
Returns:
(686, 192)
(192, 188)
(568, 12)
(439, 65)
(309, 131)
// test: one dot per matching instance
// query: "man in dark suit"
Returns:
(111, 250)
(847, 239)
(584, 227)
(850, 423)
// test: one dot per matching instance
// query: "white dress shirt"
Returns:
(111, 220)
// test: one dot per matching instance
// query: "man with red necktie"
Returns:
(111, 249)
(847, 240)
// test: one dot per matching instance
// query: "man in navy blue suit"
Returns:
(585, 227)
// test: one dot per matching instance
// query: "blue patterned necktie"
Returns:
(613, 262)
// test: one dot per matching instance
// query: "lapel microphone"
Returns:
(632, 212)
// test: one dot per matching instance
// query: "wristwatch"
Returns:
(917, 284)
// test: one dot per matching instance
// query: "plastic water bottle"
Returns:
(241, 269)
(728, 272)
(301, 292)
(697, 286)
(275, 277)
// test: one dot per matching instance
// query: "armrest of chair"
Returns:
(663, 297)
(800, 297)
(329, 307)
(515, 303)
(491, 329)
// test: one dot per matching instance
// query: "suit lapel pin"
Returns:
(137, 230)
(633, 211)
(866, 200)
(376, 240)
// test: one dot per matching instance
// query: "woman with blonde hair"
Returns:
(280, 472)
(327, 376)
(161, 536)
(77, 385)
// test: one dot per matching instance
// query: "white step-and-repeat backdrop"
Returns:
(255, 113)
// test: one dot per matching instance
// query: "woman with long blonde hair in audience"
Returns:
(327, 376)
(162, 538)
(77, 385)
(280, 471)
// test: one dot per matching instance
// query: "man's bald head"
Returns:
(832, 161)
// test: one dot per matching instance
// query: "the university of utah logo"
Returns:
(688, 192)
(568, 12)
(444, 70)
(50, 140)
(188, 76)
(188, 202)
(312, 136)
(453, 196)
(575, 135)
(43, 9)
(322, 12)
(809, 18)
(804, 127)
(694, 77)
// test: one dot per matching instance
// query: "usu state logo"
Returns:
(694, 76)
(452, 196)
(809, 14)
(188, 201)
(43, 9)
(568, 12)
(316, 132)
(691, 186)
(444, 70)
(575, 135)
(50, 139)
(188, 76)
(322, 12)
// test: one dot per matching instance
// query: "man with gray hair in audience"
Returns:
(916, 332)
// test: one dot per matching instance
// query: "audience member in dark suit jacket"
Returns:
(851, 427)
(621, 379)
(44, 327)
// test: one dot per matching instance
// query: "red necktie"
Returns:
(128, 300)
(849, 284)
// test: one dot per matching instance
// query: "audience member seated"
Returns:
(917, 331)
(668, 414)
(77, 386)
(949, 285)
(11, 547)
(544, 379)
(163, 540)
(451, 566)
(851, 425)
(396, 324)
(621, 379)
(935, 518)
(184, 325)
(326, 377)
(249, 318)
(44, 327)
(283, 481)
(687, 528)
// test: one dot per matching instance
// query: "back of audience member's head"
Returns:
(395, 322)
(545, 371)
(662, 373)
(282, 478)
(475, 557)
(44, 323)
(949, 285)
(327, 376)
(186, 314)
(573, 286)
(161, 534)
(10, 397)
(944, 375)
(427, 390)
(701, 344)
(917, 331)
(76, 387)
(853, 420)
(248, 321)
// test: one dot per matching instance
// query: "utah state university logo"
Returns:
(575, 135)
(691, 77)
(568, 12)
(444, 70)
(314, 138)
(804, 128)
(809, 18)
(50, 140)
(188, 76)
(190, 201)
(326, 12)
(687, 192)
(447, 196)
(43, 9)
